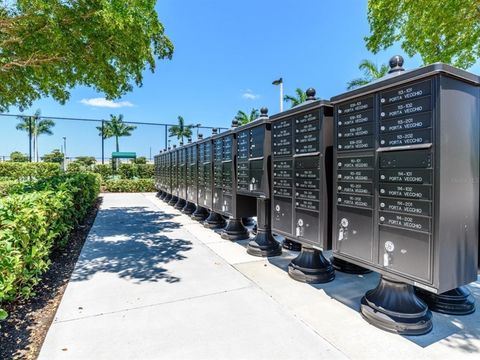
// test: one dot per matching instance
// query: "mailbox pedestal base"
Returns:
(393, 306)
(189, 208)
(458, 301)
(167, 198)
(200, 213)
(173, 200)
(291, 245)
(214, 221)
(264, 244)
(248, 221)
(180, 204)
(163, 195)
(235, 230)
(254, 229)
(349, 268)
(311, 267)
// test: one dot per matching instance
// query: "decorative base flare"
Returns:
(189, 208)
(173, 200)
(248, 221)
(254, 229)
(200, 213)
(163, 196)
(393, 306)
(167, 198)
(214, 221)
(310, 266)
(349, 268)
(458, 301)
(264, 244)
(235, 230)
(180, 204)
(159, 194)
(291, 245)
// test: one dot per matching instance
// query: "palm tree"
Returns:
(115, 128)
(37, 126)
(370, 72)
(181, 130)
(243, 118)
(300, 97)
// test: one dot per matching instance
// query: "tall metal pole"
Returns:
(281, 96)
(103, 142)
(64, 153)
(30, 138)
(166, 136)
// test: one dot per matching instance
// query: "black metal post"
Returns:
(30, 138)
(166, 128)
(103, 142)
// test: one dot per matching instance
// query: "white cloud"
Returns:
(249, 95)
(102, 102)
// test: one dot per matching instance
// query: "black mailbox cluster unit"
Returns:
(386, 175)
(302, 140)
(225, 199)
(406, 188)
(253, 179)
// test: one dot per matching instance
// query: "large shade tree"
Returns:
(181, 130)
(49, 46)
(370, 72)
(294, 100)
(35, 126)
(244, 118)
(437, 30)
(116, 128)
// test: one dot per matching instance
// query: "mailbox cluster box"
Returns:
(302, 140)
(182, 173)
(174, 172)
(205, 173)
(223, 173)
(157, 160)
(406, 177)
(191, 172)
(253, 156)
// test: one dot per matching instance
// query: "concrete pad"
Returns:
(241, 324)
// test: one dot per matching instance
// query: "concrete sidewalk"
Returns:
(151, 283)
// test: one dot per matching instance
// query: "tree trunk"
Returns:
(116, 141)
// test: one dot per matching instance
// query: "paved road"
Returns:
(151, 283)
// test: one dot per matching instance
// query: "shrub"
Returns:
(23, 171)
(129, 185)
(35, 218)
(17, 156)
(104, 170)
(56, 156)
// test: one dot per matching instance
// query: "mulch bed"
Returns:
(23, 333)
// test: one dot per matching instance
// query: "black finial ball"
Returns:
(234, 123)
(214, 130)
(189, 140)
(200, 136)
(396, 63)
(310, 93)
(174, 146)
(264, 111)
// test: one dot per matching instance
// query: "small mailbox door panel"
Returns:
(354, 232)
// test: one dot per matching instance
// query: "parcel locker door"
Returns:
(355, 231)
(282, 214)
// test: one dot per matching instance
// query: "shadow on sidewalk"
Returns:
(131, 242)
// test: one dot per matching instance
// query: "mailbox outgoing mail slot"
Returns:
(302, 140)
(406, 177)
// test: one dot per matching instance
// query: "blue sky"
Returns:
(227, 53)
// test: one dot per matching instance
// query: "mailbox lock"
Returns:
(300, 222)
(389, 246)
(277, 207)
(339, 188)
(344, 222)
(382, 177)
(382, 205)
(339, 164)
(339, 123)
(339, 176)
(382, 218)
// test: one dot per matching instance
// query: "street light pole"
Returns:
(64, 153)
(280, 83)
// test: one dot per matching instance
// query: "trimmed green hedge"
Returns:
(129, 185)
(26, 171)
(124, 171)
(35, 218)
